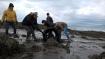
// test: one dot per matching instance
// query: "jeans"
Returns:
(66, 32)
(10, 24)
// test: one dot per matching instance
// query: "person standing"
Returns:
(49, 24)
(49, 20)
(9, 18)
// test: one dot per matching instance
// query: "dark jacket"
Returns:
(28, 20)
(49, 21)
(35, 21)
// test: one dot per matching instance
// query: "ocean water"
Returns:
(88, 25)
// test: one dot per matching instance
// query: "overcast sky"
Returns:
(70, 11)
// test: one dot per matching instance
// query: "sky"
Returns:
(78, 14)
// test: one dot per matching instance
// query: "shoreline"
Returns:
(94, 34)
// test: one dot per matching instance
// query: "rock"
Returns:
(27, 56)
(8, 46)
(23, 35)
(103, 47)
(72, 36)
(16, 36)
(36, 48)
(84, 37)
(101, 56)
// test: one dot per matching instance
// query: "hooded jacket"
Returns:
(9, 16)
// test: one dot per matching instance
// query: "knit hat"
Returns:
(11, 5)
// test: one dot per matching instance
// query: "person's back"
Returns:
(49, 20)
(60, 25)
(28, 20)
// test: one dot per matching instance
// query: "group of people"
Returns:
(9, 18)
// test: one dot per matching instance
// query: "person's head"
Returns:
(36, 14)
(31, 14)
(43, 21)
(11, 6)
(48, 14)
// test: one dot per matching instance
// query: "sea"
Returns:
(88, 25)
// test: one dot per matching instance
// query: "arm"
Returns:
(3, 17)
(15, 16)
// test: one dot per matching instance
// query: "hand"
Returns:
(16, 22)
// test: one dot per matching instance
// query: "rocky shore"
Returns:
(83, 42)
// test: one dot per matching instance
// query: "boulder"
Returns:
(9, 46)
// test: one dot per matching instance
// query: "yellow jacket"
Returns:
(9, 16)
